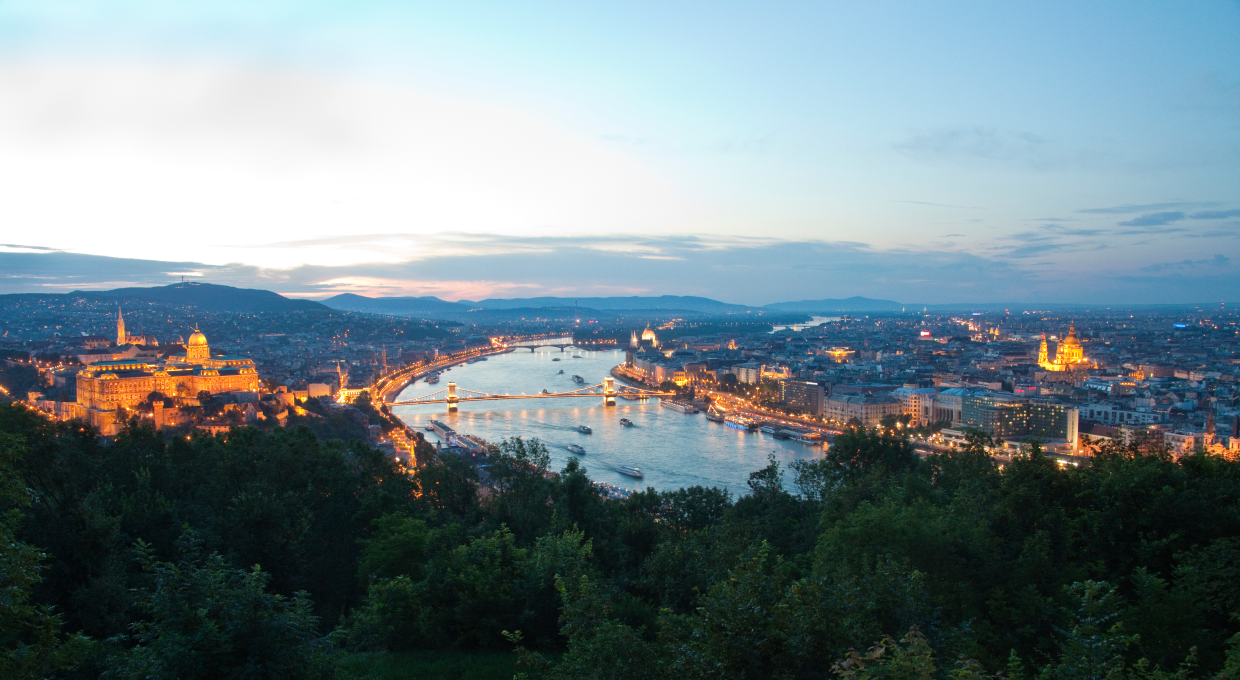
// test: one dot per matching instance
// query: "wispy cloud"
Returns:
(1128, 209)
(974, 143)
(1216, 261)
(1153, 219)
(1214, 215)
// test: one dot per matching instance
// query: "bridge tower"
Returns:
(609, 391)
(452, 398)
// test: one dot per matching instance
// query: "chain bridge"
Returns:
(606, 390)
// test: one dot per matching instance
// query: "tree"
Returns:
(31, 643)
(206, 619)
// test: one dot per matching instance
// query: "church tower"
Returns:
(120, 327)
(1042, 353)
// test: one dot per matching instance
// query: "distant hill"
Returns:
(395, 306)
(662, 302)
(852, 304)
(205, 296)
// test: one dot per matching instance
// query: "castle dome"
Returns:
(196, 339)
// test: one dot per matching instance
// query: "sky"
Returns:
(749, 152)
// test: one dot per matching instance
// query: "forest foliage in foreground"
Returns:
(273, 555)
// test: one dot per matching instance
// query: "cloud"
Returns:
(1217, 261)
(942, 205)
(1153, 219)
(1126, 209)
(1214, 215)
(751, 271)
(976, 143)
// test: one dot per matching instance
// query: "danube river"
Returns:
(673, 449)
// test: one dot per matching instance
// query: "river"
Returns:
(673, 449)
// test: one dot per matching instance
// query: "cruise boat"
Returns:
(741, 423)
(714, 416)
(630, 471)
(429, 427)
(556, 359)
(683, 407)
(767, 428)
(573, 448)
(432, 378)
(782, 434)
(576, 356)
(443, 429)
(626, 422)
(583, 429)
(579, 379)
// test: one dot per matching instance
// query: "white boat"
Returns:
(630, 471)
(573, 448)
(681, 406)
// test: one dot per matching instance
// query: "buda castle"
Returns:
(1069, 355)
(104, 386)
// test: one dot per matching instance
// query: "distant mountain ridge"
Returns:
(395, 306)
(852, 304)
(206, 296)
(409, 306)
(634, 302)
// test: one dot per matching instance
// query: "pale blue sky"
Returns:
(400, 146)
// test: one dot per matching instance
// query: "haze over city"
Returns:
(975, 153)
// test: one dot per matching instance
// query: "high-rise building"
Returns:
(802, 395)
(1009, 416)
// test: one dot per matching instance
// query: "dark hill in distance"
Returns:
(852, 304)
(428, 306)
(205, 296)
(662, 302)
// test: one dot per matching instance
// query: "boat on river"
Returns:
(556, 359)
(443, 429)
(578, 379)
(584, 429)
(432, 378)
(713, 415)
(682, 406)
(741, 423)
(573, 448)
(630, 471)
(626, 422)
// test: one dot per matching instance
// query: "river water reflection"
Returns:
(672, 449)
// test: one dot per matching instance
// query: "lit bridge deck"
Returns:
(606, 390)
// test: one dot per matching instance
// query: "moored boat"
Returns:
(682, 406)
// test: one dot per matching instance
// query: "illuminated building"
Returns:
(1009, 416)
(123, 338)
(648, 335)
(104, 386)
(1069, 355)
(802, 395)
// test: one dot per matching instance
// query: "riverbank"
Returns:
(391, 388)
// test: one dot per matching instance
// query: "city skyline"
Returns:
(972, 154)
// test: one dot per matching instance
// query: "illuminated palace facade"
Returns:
(106, 385)
(1069, 355)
